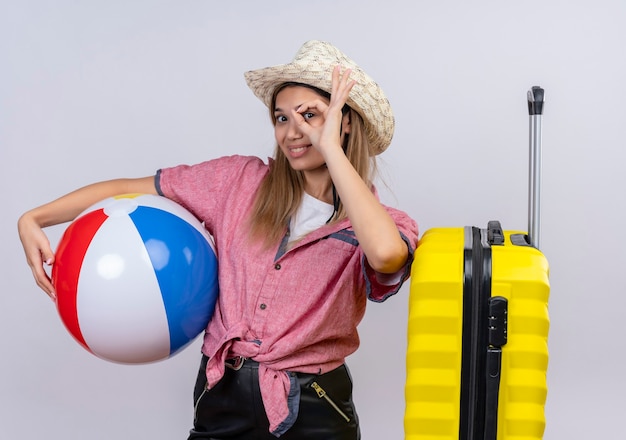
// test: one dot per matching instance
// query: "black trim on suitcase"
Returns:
(476, 294)
(484, 334)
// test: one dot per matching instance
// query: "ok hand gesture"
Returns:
(322, 122)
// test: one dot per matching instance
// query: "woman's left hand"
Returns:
(325, 132)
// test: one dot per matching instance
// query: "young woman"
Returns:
(302, 241)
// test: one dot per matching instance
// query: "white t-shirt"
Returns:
(312, 214)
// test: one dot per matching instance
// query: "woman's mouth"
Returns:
(298, 150)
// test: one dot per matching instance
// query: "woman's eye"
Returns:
(281, 118)
(308, 115)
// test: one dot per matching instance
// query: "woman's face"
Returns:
(294, 144)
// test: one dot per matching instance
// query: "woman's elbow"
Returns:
(389, 259)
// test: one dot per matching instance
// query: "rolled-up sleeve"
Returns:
(379, 286)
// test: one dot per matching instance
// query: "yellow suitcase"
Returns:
(477, 352)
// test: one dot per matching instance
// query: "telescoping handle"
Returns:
(536, 97)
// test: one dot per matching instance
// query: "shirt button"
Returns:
(277, 266)
(263, 306)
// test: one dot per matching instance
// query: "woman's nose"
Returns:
(294, 131)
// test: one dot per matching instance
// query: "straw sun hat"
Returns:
(313, 65)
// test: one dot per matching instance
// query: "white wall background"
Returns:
(102, 89)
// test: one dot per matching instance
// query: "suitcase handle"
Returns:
(536, 98)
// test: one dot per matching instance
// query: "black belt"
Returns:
(238, 362)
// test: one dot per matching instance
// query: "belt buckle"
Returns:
(235, 363)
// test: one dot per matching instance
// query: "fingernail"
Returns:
(49, 261)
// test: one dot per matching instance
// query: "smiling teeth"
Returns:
(298, 150)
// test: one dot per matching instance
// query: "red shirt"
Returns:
(294, 310)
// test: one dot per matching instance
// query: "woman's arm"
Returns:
(64, 209)
(375, 230)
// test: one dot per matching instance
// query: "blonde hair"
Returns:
(280, 193)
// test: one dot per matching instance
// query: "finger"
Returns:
(44, 282)
(298, 118)
(318, 108)
(47, 256)
(36, 263)
(318, 105)
(344, 77)
(341, 85)
(336, 79)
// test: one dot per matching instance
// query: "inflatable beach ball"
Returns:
(136, 278)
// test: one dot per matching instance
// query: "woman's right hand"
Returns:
(65, 209)
(38, 252)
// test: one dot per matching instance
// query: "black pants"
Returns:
(233, 409)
